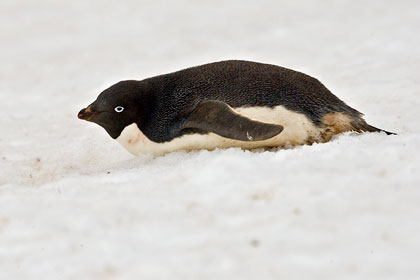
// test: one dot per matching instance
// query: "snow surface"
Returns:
(75, 205)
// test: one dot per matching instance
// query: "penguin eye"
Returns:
(119, 109)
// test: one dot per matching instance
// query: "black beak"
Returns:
(86, 114)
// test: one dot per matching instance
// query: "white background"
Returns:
(75, 205)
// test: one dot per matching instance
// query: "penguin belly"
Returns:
(298, 130)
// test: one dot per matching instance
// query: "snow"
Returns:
(75, 205)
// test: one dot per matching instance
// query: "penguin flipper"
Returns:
(219, 118)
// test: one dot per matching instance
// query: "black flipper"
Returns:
(218, 117)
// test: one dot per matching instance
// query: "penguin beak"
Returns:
(86, 114)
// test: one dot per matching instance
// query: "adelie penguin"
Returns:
(219, 105)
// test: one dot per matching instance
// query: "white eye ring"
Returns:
(119, 109)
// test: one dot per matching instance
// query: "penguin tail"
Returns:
(361, 125)
(338, 122)
(371, 128)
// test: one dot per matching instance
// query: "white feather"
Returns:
(298, 129)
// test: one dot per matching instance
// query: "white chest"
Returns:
(298, 130)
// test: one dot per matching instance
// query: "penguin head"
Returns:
(116, 107)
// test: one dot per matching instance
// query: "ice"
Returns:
(75, 205)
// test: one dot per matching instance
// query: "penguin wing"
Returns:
(218, 117)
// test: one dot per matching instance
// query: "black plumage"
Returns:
(161, 105)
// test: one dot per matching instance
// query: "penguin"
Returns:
(223, 104)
